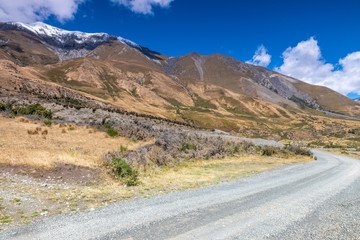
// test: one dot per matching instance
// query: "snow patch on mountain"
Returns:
(128, 42)
(63, 36)
(73, 44)
(68, 44)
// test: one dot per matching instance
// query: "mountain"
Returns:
(212, 91)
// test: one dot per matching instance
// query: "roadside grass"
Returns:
(85, 146)
(196, 173)
(157, 180)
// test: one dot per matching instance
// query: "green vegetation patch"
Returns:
(47, 122)
(34, 109)
(4, 107)
(111, 131)
(174, 102)
(6, 219)
(202, 103)
(124, 171)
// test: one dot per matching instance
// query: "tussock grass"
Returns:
(195, 173)
(22, 143)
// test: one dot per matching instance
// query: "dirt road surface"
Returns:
(315, 200)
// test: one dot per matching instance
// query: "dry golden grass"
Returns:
(21, 145)
(205, 172)
(84, 146)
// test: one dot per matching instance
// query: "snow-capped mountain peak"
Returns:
(71, 44)
(44, 30)
(67, 44)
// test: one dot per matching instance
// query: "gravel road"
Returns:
(315, 200)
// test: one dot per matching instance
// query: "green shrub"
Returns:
(34, 109)
(112, 132)
(125, 171)
(2, 107)
(47, 122)
(6, 219)
(123, 148)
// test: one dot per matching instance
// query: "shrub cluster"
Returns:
(175, 145)
(124, 171)
(298, 150)
(111, 130)
(4, 107)
(34, 109)
(269, 150)
(136, 130)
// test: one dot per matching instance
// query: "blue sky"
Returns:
(319, 33)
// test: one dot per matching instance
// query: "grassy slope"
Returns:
(331, 100)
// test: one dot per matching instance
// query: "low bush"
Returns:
(269, 150)
(47, 122)
(176, 146)
(4, 107)
(111, 131)
(34, 109)
(123, 148)
(123, 170)
(298, 150)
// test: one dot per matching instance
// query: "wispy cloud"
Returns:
(38, 10)
(143, 6)
(261, 57)
(63, 10)
(305, 62)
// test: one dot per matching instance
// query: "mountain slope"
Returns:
(214, 91)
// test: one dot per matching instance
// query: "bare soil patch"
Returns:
(67, 173)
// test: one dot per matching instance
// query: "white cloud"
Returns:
(143, 6)
(261, 57)
(37, 10)
(305, 62)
